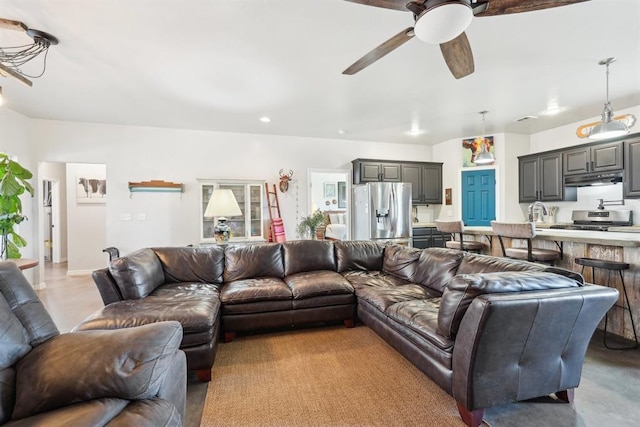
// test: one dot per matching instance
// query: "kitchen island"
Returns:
(623, 246)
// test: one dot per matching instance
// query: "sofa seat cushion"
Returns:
(95, 412)
(464, 288)
(254, 290)
(373, 279)
(317, 283)
(384, 297)
(194, 305)
(421, 316)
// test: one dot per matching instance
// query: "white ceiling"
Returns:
(222, 64)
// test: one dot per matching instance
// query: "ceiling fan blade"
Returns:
(458, 56)
(504, 7)
(13, 25)
(387, 4)
(393, 43)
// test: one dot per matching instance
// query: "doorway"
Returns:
(478, 197)
(329, 190)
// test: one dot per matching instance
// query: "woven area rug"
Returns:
(329, 376)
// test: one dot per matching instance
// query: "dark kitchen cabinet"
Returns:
(426, 182)
(632, 168)
(425, 177)
(375, 170)
(540, 177)
(428, 237)
(601, 157)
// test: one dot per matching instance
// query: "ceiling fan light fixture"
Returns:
(608, 128)
(443, 20)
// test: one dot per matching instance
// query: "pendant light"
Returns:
(608, 128)
(485, 157)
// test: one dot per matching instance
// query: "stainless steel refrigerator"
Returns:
(382, 212)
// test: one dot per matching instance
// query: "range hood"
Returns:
(605, 178)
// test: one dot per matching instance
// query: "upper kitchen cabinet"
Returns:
(426, 182)
(375, 170)
(540, 178)
(593, 158)
(425, 177)
(632, 168)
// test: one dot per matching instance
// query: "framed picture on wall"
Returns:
(329, 190)
(91, 184)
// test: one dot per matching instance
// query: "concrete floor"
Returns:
(608, 395)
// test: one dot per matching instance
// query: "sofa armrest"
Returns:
(522, 345)
(125, 363)
(107, 286)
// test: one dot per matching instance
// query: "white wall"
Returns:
(86, 223)
(141, 154)
(14, 140)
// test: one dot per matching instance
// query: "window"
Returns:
(249, 195)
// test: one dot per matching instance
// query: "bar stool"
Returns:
(611, 266)
(526, 231)
(457, 227)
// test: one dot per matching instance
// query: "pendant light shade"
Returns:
(484, 157)
(608, 128)
(443, 20)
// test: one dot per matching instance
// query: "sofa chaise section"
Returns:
(179, 284)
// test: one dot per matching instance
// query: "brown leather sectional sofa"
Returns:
(488, 330)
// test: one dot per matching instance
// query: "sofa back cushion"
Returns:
(359, 255)
(436, 266)
(477, 263)
(308, 255)
(253, 261)
(400, 261)
(204, 264)
(137, 274)
(463, 288)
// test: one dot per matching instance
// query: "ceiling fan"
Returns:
(443, 22)
(12, 58)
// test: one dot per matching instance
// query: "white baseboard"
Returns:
(40, 286)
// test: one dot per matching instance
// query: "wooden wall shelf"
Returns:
(156, 186)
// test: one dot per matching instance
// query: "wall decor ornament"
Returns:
(329, 190)
(473, 147)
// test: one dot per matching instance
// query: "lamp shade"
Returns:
(608, 128)
(443, 21)
(222, 204)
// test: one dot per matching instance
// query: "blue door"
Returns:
(478, 197)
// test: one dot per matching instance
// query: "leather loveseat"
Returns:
(487, 330)
(124, 377)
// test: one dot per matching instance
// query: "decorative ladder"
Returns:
(276, 226)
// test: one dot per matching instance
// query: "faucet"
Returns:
(536, 204)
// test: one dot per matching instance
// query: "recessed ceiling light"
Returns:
(265, 119)
(342, 131)
(414, 132)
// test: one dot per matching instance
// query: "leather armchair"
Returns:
(134, 376)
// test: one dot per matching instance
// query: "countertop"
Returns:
(605, 238)
(423, 224)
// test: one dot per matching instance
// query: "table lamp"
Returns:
(222, 204)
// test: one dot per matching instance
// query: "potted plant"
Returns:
(308, 224)
(13, 183)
